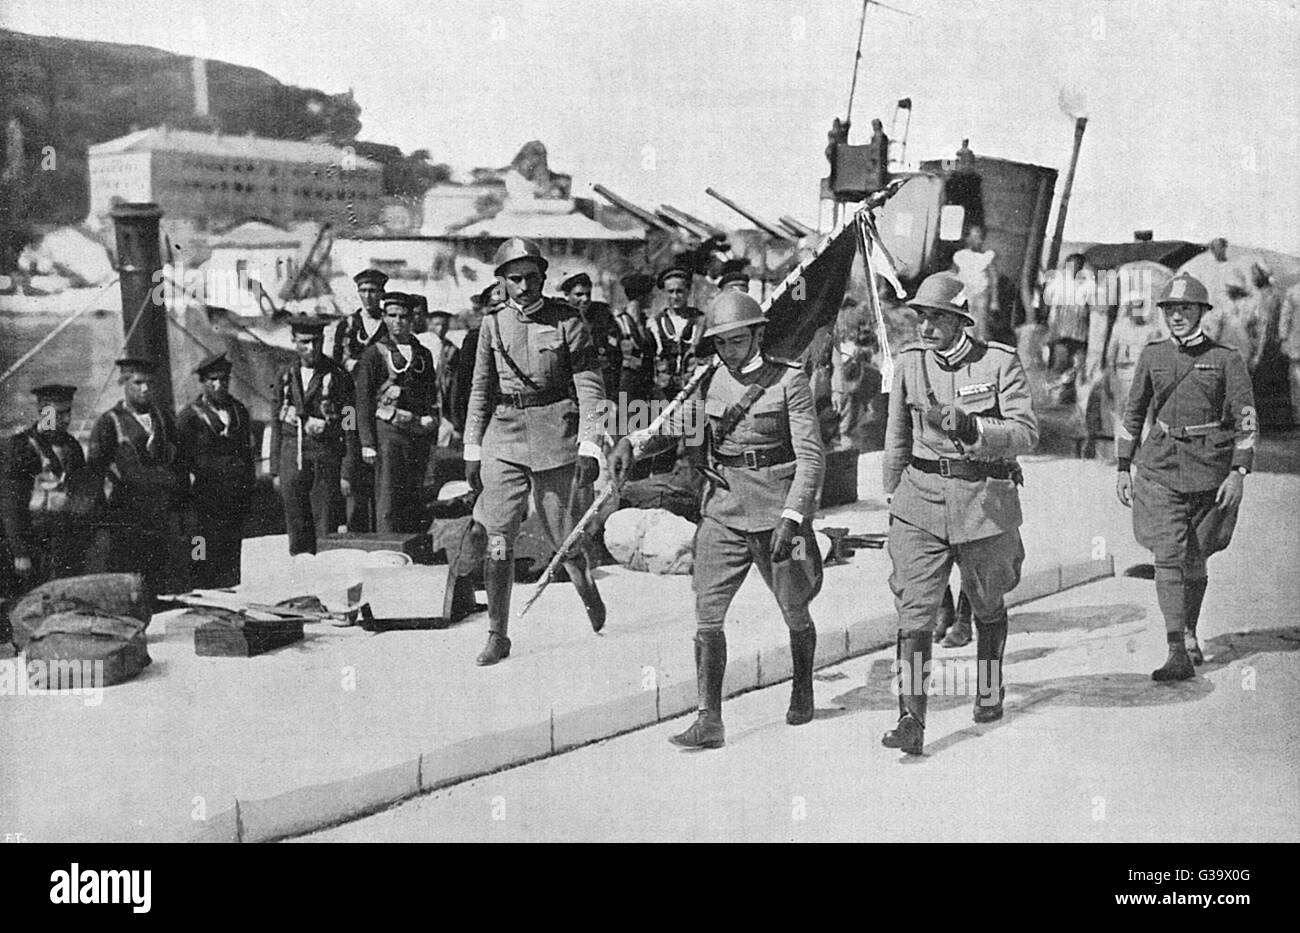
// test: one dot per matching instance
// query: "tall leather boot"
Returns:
(579, 569)
(803, 646)
(710, 665)
(1178, 666)
(1194, 596)
(947, 615)
(991, 642)
(960, 634)
(498, 579)
(1171, 594)
(909, 735)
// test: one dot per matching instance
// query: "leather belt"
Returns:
(755, 459)
(532, 399)
(1189, 431)
(965, 469)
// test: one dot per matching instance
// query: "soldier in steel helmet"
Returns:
(1190, 469)
(766, 460)
(536, 409)
(959, 415)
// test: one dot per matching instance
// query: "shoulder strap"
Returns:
(297, 390)
(500, 345)
(753, 392)
(47, 455)
(207, 415)
(1160, 409)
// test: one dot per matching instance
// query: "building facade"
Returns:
(214, 181)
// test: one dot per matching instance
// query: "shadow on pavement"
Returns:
(1075, 618)
(1222, 650)
(1102, 690)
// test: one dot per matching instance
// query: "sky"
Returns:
(1193, 107)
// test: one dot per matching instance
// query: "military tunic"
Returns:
(397, 385)
(350, 343)
(219, 454)
(537, 397)
(937, 518)
(311, 466)
(37, 473)
(1204, 426)
(138, 528)
(772, 462)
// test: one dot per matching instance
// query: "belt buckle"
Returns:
(945, 467)
(518, 398)
(751, 459)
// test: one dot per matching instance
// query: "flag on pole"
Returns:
(809, 298)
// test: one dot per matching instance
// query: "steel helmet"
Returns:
(1184, 289)
(732, 310)
(943, 291)
(518, 248)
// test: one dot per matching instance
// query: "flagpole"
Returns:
(865, 242)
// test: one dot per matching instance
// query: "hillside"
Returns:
(69, 93)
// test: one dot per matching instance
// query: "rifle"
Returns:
(580, 527)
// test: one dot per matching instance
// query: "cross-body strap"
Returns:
(500, 345)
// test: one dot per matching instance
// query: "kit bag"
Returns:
(104, 594)
(80, 642)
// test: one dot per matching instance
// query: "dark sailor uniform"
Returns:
(38, 470)
(351, 340)
(309, 465)
(397, 386)
(216, 446)
(138, 528)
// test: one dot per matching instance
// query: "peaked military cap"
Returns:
(307, 324)
(370, 275)
(135, 364)
(675, 271)
(54, 393)
(572, 280)
(216, 363)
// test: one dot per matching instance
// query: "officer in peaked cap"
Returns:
(313, 437)
(1184, 482)
(767, 463)
(959, 415)
(535, 419)
(677, 329)
(39, 466)
(397, 416)
(363, 328)
(214, 437)
(133, 447)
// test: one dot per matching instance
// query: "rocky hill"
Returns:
(69, 93)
